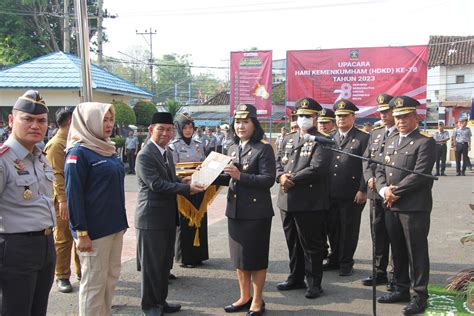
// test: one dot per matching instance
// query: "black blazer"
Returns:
(415, 152)
(158, 186)
(250, 197)
(309, 164)
(346, 171)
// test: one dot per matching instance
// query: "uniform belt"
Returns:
(462, 143)
(45, 232)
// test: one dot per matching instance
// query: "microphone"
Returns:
(319, 139)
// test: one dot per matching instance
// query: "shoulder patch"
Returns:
(362, 131)
(378, 127)
(324, 134)
(263, 141)
(426, 134)
(4, 149)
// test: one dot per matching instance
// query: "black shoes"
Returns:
(330, 266)
(313, 292)
(257, 313)
(394, 297)
(290, 285)
(171, 308)
(237, 308)
(346, 272)
(391, 285)
(190, 266)
(379, 279)
(171, 276)
(64, 286)
(416, 306)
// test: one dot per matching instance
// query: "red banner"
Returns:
(251, 80)
(358, 74)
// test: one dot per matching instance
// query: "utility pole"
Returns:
(100, 18)
(83, 26)
(150, 33)
(66, 28)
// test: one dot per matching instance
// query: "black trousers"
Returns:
(408, 233)
(441, 150)
(155, 250)
(304, 232)
(26, 273)
(343, 231)
(131, 160)
(461, 151)
(382, 241)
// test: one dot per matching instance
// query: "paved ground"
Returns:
(205, 290)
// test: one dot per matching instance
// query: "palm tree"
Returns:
(173, 107)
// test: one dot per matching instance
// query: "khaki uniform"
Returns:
(62, 235)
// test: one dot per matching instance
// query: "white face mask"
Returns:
(305, 123)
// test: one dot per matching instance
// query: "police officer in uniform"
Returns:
(186, 149)
(348, 190)
(27, 215)
(461, 142)
(409, 198)
(374, 151)
(303, 199)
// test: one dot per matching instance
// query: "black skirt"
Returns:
(249, 243)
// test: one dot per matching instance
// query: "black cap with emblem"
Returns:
(326, 115)
(31, 102)
(344, 107)
(403, 105)
(383, 101)
(307, 106)
(244, 111)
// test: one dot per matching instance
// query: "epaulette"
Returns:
(175, 140)
(378, 127)
(263, 141)
(170, 148)
(197, 141)
(3, 149)
(426, 134)
(362, 130)
(324, 134)
(291, 133)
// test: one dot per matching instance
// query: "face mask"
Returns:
(305, 123)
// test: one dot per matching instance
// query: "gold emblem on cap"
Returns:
(380, 99)
(398, 102)
(341, 105)
(243, 107)
(323, 112)
(304, 103)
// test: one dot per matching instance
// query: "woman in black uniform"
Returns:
(249, 207)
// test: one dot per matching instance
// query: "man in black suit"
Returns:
(302, 172)
(375, 148)
(157, 215)
(347, 190)
(409, 198)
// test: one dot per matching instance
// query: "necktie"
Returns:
(240, 152)
(164, 157)
(386, 133)
(342, 137)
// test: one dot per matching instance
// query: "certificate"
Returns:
(211, 168)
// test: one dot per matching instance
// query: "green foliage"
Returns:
(172, 70)
(32, 28)
(172, 106)
(279, 94)
(119, 141)
(124, 114)
(144, 112)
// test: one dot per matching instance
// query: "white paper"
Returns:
(210, 169)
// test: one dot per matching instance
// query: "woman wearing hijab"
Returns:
(249, 207)
(191, 240)
(96, 201)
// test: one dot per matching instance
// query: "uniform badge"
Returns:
(341, 105)
(304, 103)
(27, 194)
(250, 152)
(380, 99)
(411, 143)
(18, 165)
(246, 166)
(284, 160)
(387, 159)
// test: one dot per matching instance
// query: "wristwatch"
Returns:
(82, 233)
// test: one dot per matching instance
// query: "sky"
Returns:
(209, 30)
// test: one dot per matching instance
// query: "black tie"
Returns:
(342, 137)
(164, 157)
(386, 133)
(240, 152)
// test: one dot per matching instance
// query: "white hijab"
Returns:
(87, 128)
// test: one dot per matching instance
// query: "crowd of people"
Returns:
(72, 197)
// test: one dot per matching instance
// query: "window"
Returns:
(460, 79)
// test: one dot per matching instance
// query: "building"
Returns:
(450, 83)
(57, 76)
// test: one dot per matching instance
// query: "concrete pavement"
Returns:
(205, 290)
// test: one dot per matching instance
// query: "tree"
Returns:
(144, 112)
(124, 114)
(173, 107)
(172, 71)
(31, 28)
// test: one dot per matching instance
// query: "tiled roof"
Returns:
(222, 98)
(63, 71)
(451, 50)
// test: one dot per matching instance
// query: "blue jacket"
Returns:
(95, 192)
